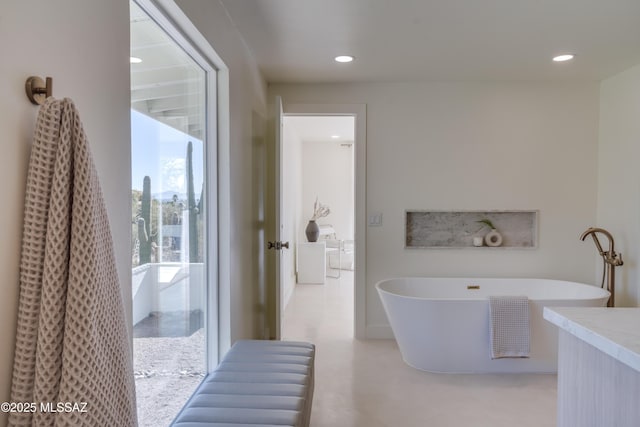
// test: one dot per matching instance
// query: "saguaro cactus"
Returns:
(144, 222)
(194, 243)
(201, 203)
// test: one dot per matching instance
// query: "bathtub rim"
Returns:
(380, 290)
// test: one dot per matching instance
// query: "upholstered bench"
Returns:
(257, 384)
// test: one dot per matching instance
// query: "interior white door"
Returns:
(279, 215)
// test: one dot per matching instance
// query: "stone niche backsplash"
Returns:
(456, 229)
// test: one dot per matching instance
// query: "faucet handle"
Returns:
(614, 259)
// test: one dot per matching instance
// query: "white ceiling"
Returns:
(445, 40)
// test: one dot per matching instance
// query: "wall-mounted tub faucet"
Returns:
(610, 259)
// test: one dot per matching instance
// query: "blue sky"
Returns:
(160, 151)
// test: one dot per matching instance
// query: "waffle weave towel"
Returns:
(509, 326)
(72, 344)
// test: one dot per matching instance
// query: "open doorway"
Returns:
(318, 158)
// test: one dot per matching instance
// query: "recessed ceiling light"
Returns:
(562, 58)
(344, 58)
(335, 136)
(134, 60)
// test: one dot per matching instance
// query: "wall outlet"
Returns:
(375, 219)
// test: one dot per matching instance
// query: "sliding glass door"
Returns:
(170, 199)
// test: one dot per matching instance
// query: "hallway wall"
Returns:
(327, 173)
(292, 214)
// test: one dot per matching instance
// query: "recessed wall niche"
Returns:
(457, 229)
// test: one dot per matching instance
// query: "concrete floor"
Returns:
(365, 383)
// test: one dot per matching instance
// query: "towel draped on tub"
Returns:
(509, 326)
(72, 345)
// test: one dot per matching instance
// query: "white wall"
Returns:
(473, 146)
(84, 46)
(248, 165)
(327, 173)
(619, 177)
(292, 182)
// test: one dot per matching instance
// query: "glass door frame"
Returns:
(216, 145)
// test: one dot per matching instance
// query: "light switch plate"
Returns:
(375, 219)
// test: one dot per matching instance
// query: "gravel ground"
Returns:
(167, 370)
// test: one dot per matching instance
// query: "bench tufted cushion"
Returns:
(258, 384)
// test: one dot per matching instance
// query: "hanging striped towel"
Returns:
(509, 326)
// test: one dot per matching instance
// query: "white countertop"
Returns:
(614, 331)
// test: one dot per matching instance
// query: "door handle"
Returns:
(277, 245)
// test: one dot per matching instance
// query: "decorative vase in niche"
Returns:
(493, 238)
(312, 231)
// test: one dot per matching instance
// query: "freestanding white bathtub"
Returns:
(442, 324)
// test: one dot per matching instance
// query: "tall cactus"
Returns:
(194, 243)
(201, 203)
(144, 222)
(200, 210)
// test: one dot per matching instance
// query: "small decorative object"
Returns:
(478, 241)
(312, 231)
(492, 238)
(319, 211)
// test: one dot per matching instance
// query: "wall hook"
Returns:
(38, 90)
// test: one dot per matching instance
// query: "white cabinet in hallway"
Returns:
(311, 262)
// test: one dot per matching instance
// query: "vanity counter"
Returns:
(598, 365)
(613, 331)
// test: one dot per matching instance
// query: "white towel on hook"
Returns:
(509, 326)
(72, 343)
